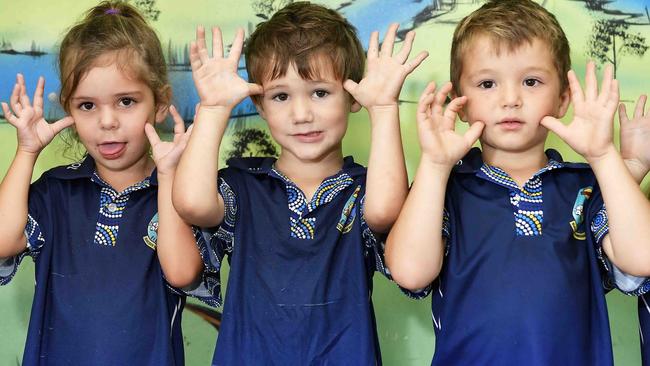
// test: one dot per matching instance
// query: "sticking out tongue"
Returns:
(111, 148)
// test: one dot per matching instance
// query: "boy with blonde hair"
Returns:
(527, 246)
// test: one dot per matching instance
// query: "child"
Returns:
(635, 134)
(299, 230)
(91, 227)
(526, 245)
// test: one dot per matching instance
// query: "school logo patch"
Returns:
(152, 233)
(577, 225)
(349, 212)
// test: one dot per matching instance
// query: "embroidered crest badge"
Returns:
(578, 213)
(349, 212)
(152, 233)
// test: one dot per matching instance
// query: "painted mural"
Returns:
(606, 31)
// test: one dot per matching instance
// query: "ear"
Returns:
(355, 106)
(161, 113)
(565, 100)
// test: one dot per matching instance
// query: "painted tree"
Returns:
(148, 9)
(612, 39)
(266, 8)
(249, 142)
(597, 5)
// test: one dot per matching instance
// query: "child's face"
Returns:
(307, 118)
(511, 92)
(110, 110)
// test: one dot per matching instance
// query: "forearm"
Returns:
(176, 245)
(195, 194)
(387, 181)
(628, 212)
(14, 192)
(415, 247)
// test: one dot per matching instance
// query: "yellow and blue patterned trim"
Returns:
(111, 209)
(527, 202)
(302, 227)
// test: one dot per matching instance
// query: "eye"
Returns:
(280, 97)
(126, 102)
(320, 93)
(486, 84)
(532, 82)
(86, 106)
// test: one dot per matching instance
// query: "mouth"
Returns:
(312, 136)
(510, 124)
(111, 150)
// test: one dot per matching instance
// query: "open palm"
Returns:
(34, 133)
(591, 132)
(385, 72)
(439, 141)
(215, 77)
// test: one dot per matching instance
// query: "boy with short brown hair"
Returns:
(299, 230)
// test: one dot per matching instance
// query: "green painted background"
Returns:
(404, 325)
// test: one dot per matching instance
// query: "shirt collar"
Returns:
(85, 168)
(265, 165)
(473, 162)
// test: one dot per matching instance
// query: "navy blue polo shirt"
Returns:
(524, 277)
(100, 296)
(300, 282)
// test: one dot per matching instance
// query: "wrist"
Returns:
(434, 165)
(27, 153)
(382, 110)
(602, 161)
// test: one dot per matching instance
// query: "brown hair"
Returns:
(113, 26)
(304, 34)
(510, 23)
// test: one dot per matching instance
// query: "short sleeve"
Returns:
(628, 284)
(214, 244)
(37, 210)
(374, 248)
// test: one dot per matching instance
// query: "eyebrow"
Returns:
(534, 69)
(312, 82)
(118, 95)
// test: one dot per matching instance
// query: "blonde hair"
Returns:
(510, 23)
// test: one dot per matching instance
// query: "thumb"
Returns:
(255, 89)
(59, 125)
(474, 132)
(350, 86)
(555, 125)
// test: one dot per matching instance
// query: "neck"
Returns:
(122, 179)
(520, 165)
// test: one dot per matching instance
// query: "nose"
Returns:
(301, 111)
(511, 96)
(108, 119)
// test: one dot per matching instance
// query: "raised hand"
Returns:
(34, 133)
(166, 154)
(215, 77)
(385, 73)
(441, 145)
(591, 132)
(635, 138)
